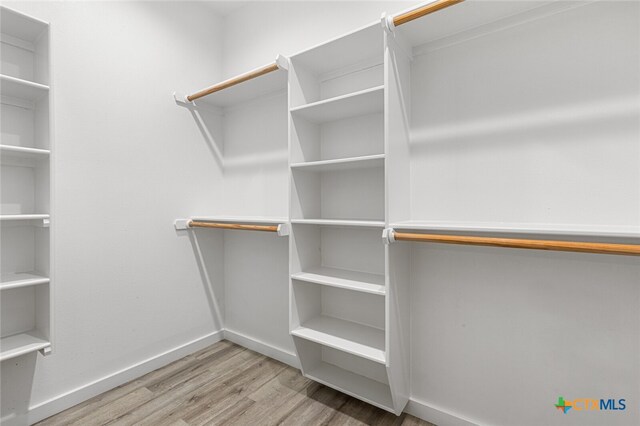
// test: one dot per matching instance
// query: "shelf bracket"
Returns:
(283, 230)
(181, 99)
(46, 351)
(45, 223)
(387, 236)
(181, 224)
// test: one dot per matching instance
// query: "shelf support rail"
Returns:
(419, 12)
(280, 63)
(281, 229)
(390, 235)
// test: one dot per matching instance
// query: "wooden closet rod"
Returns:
(265, 228)
(232, 82)
(423, 11)
(585, 247)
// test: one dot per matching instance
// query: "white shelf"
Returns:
(22, 156)
(342, 278)
(23, 216)
(356, 339)
(521, 228)
(273, 82)
(21, 279)
(340, 222)
(242, 219)
(21, 344)
(22, 89)
(364, 162)
(364, 102)
(368, 390)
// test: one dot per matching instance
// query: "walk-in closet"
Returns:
(310, 213)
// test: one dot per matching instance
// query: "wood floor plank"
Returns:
(225, 384)
(168, 398)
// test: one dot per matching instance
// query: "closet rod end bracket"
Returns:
(387, 23)
(283, 230)
(388, 236)
(282, 62)
(181, 224)
(181, 98)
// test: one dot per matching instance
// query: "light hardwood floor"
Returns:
(226, 384)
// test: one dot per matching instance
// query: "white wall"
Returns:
(127, 162)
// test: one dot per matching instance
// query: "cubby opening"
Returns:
(25, 190)
(25, 123)
(339, 67)
(353, 375)
(350, 137)
(340, 256)
(25, 250)
(347, 320)
(348, 194)
(25, 48)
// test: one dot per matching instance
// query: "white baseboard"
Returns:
(73, 397)
(271, 351)
(437, 416)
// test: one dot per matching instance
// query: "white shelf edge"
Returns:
(338, 161)
(22, 279)
(28, 83)
(24, 150)
(523, 228)
(336, 99)
(23, 216)
(340, 222)
(21, 344)
(343, 283)
(318, 329)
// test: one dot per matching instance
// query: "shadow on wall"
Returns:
(208, 250)
(251, 137)
(16, 381)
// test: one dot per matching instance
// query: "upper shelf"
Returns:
(254, 84)
(23, 27)
(364, 102)
(22, 89)
(464, 16)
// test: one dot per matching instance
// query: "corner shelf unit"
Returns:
(25, 209)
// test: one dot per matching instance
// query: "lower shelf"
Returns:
(342, 278)
(21, 344)
(368, 390)
(356, 339)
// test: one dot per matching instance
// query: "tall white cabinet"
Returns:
(25, 210)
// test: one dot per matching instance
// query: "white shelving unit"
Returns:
(340, 317)
(25, 156)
